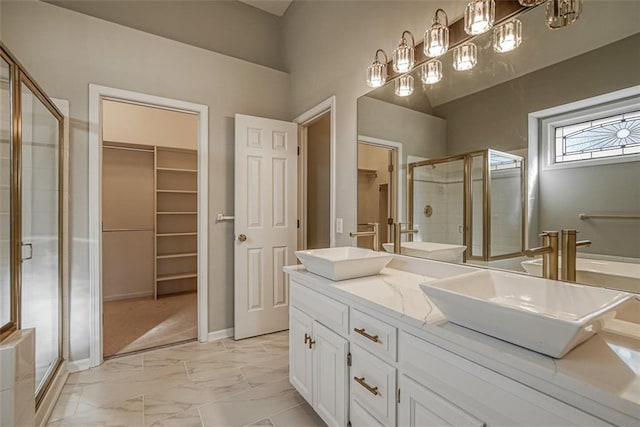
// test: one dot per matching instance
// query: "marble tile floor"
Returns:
(222, 383)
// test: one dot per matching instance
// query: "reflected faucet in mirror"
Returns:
(397, 236)
(569, 249)
(549, 252)
(375, 233)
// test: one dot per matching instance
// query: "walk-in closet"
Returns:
(149, 226)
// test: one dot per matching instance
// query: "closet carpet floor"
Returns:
(221, 383)
(142, 323)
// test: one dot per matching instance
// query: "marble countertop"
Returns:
(605, 369)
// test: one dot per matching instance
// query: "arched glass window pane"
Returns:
(606, 137)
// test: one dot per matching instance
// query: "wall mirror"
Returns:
(544, 137)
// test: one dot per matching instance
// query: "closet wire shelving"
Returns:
(175, 181)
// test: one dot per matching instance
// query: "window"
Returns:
(611, 136)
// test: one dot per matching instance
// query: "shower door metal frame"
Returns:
(21, 76)
(467, 232)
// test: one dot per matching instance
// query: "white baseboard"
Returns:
(127, 296)
(51, 396)
(79, 365)
(218, 335)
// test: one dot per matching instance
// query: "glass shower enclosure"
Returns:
(31, 129)
(475, 199)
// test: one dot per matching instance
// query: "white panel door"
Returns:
(330, 382)
(265, 222)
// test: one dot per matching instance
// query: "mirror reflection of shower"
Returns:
(468, 207)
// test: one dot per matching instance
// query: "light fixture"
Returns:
(529, 3)
(436, 38)
(431, 72)
(479, 16)
(508, 36)
(562, 13)
(404, 85)
(403, 55)
(377, 72)
(465, 57)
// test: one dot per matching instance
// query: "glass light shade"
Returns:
(529, 3)
(403, 55)
(479, 16)
(508, 36)
(404, 85)
(562, 13)
(465, 57)
(376, 74)
(431, 72)
(436, 38)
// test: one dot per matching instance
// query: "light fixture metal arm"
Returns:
(375, 58)
(436, 18)
(403, 39)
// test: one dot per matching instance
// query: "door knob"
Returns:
(242, 238)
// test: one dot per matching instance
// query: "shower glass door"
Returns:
(40, 229)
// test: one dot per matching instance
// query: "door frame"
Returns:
(96, 94)
(399, 169)
(303, 121)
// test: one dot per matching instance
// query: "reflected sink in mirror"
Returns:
(344, 262)
(546, 316)
(430, 250)
(619, 275)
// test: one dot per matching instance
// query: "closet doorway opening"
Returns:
(148, 162)
(377, 188)
(314, 196)
(149, 226)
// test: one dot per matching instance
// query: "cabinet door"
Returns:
(330, 382)
(420, 407)
(300, 355)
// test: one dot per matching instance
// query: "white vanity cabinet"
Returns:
(318, 357)
(362, 367)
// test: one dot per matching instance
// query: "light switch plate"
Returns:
(338, 225)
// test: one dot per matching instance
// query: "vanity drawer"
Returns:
(376, 336)
(331, 313)
(480, 392)
(360, 417)
(373, 385)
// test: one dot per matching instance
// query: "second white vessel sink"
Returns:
(344, 262)
(546, 316)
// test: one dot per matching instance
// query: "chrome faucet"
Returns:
(397, 236)
(569, 249)
(549, 252)
(375, 233)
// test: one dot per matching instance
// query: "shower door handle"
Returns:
(30, 246)
(460, 229)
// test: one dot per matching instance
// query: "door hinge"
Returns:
(389, 221)
(390, 168)
(298, 223)
(348, 359)
(298, 150)
(398, 397)
(349, 424)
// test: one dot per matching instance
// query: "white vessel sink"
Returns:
(430, 250)
(546, 316)
(344, 262)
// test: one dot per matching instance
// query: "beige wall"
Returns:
(136, 124)
(228, 27)
(318, 183)
(328, 46)
(65, 51)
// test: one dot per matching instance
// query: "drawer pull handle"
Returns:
(311, 343)
(362, 382)
(306, 338)
(362, 332)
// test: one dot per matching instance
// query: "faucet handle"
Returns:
(583, 243)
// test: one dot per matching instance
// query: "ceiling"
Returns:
(274, 7)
